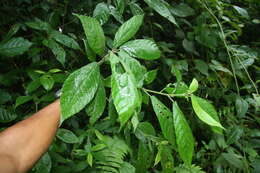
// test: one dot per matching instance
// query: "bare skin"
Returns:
(22, 144)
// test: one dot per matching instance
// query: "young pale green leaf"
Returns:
(142, 48)
(101, 13)
(132, 66)
(64, 40)
(124, 92)
(22, 99)
(164, 115)
(205, 111)
(161, 7)
(97, 106)
(79, 89)
(158, 158)
(184, 137)
(6, 116)
(94, 33)
(90, 159)
(47, 82)
(67, 136)
(14, 47)
(56, 49)
(128, 30)
(193, 86)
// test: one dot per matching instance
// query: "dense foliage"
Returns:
(146, 86)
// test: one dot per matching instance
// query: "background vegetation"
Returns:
(205, 47)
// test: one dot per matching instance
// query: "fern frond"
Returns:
(188, 169)
(111, 158)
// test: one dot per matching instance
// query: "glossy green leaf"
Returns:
(134, 67)
(94, 33)
(15, 46)
(184, 137)
(136, 9)
(205, 111)
(67, 136)
(128, 30)
(142, 48)
(161, 7)
(193, 86)
(182, 10)
(47, 82)
(6, 116)
(150, 76)
(22, 99)
(90, 53)
(124, 91)
(101, 12)
(56, 49)
(79, 89)
(97, 106)
(164, 115)
(64, 40)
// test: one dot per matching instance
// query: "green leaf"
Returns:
(6, 116)
(47, 82)
(234, 160)
(193, 86)
(39, 25)
(64, 40)
(182, 10)
(133, 66)
(164, 115)
(44, 165)
(101, 12)
(142, 48)
(128, 30)
(136, 9)
(79, 89)
(22, 99)
(161, 7)
(201, 66)
(94, 33)
(90, 159)
(97, 106)
(167, 160)
(124, 92)
(14, 47)
(4, 97)
(205, 111)
(56, 49)
(90, 53)
(184, 137)
(126, 168)
(241, 107)
(67, 136)
(150, 76)
(243, 12)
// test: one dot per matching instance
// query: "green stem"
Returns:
(165, 94)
